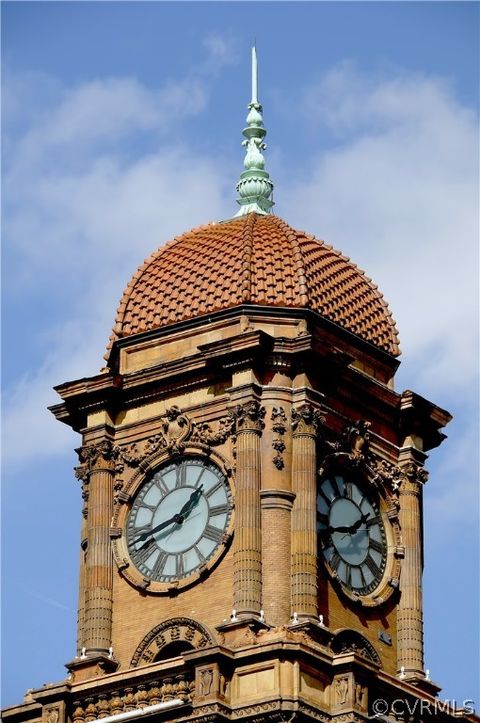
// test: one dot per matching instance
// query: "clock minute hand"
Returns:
(341, 528)
(161, 526)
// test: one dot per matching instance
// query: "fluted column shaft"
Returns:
(410, 612)
(304, 587)
(247, 558)
(99, 562)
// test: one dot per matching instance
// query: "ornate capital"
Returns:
(249, 416)
(307, 419)
(414, 477)
(93, 455)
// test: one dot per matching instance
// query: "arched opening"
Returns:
(173, 650)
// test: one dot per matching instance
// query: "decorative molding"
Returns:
(131, 698)
(168, 631)
(279, 427)
(350, 641)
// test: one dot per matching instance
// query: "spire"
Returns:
(254, 187)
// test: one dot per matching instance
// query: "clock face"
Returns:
(178, 519)
(351, 534)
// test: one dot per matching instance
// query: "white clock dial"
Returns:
(178, 519)
(352, 535)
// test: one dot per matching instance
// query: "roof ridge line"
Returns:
(247, 253)
(299, 263)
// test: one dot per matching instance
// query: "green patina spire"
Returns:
(254, 187)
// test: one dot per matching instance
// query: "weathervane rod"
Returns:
(254, 75)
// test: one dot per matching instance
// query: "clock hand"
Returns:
(191, 502)
(360, 522)
(341, 528)
(161, 526)
(178, 518)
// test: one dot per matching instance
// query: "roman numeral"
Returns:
(335, 560)
(373, 520)
(219, 510)
(143, 553)
(348, 575)
(377, 546)
(323, 519)
(336, 491)
(179, 566)
(202, 472)
(181, 477)
(200, 556)
(372, 566)
(212, 533)
(214, 488)
(348, 490)
(322, 494)
(162, 486)
(159, 564)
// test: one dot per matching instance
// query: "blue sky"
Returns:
(122, 127)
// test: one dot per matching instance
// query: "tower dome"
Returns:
(253, 259)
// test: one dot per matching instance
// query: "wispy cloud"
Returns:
(399, 192)
(81, 212)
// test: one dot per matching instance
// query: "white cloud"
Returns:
(399, 193)
(80, 218)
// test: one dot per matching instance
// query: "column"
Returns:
(304, 593)
(410, 609)
(97, 635)
(247, 559)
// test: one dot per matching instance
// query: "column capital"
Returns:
(96, 454)
(306, 420)
(249, 416)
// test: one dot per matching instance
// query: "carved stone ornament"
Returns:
(132, 698)
(415, 473)
(307, 419)
(172, 630)
(341, 691)
(249, 416)
(349, 641)
(176, 429)
(279, 427)
(356, 439)
(91, 454)
(52, 715)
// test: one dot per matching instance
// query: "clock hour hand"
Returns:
(177, 518)
(190, 503)
(360, 522)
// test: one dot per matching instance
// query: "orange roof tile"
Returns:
(253, 259)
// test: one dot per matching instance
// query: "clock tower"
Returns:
(251, 543)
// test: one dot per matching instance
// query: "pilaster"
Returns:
(410, 607)
(247, 559)
(306, 420)
(99, 562)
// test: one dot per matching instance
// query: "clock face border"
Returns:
(388, 583)
(119, 530)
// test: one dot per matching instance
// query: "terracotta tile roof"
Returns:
(257, 260)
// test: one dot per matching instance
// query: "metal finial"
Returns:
(254, 187)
